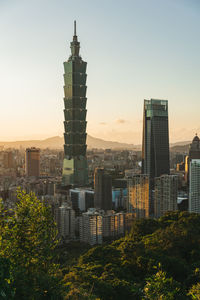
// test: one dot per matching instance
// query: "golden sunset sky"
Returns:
(135, 49)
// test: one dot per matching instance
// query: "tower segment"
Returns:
(75, 170)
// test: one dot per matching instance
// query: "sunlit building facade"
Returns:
(113, 224)
(91, 227)
(165, 194)
(138, 196)
(97, 226)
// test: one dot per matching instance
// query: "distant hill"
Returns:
(180, 148)
(57, 142)
(180, 143)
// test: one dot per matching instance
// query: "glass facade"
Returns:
(155, 144)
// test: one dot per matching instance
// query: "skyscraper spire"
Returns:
(75, 45)
(75, 27)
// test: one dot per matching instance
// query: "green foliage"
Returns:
(142, 227)
(194, 292)
(28, 237)
(80, 294)
(159, 287)
(6, 290)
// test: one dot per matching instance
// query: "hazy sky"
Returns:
(137, 49)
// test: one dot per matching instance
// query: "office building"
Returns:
(194, 186)
(102, 189)
(165, 194)
(32, 162)
(81, 199)
(75, 171)
(119, 198)
(138, 196)
(155, 144)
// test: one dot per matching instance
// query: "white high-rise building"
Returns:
(194, 186)
(65, 219)
(91, 227)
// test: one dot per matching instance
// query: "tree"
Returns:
(159, 287)
(28, 237)
(6, 290)
(194, 292)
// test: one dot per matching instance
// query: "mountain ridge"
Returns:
(56, 142)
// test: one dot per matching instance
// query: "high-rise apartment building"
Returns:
(113, 224)
(102, 190)
(138, 196)
(75, 170)
(155, 144)
(165, 194)
(194, 186)
(32, 162)
(65, 219)
(91, 227)
(97, 226)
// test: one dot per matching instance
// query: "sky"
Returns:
(135, 50)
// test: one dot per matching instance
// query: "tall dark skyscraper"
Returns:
(102, 190)
(75, 171)
(32, 162)
(155, 144)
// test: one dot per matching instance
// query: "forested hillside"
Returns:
(160, 259)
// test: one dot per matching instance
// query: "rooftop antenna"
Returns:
(74, 27)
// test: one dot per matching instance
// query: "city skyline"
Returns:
(134, 51)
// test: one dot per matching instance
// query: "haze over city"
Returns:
(135, 50)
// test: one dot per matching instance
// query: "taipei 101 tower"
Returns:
(75, 170)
